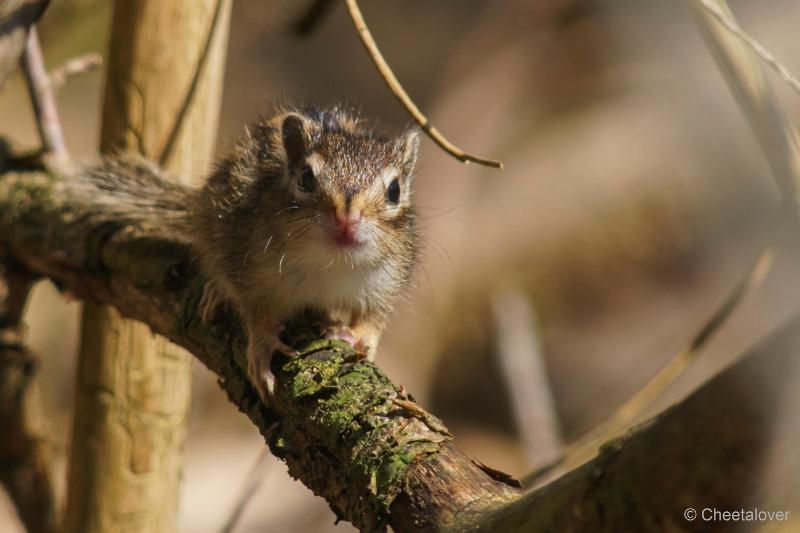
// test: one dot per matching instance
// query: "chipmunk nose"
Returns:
(347, 221)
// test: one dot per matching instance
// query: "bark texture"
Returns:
(355, 438)
(163, 87)
(729, 446)
(25, 466)
(343, 428)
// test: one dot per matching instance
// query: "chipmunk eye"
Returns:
(308, 181)
(393, 192)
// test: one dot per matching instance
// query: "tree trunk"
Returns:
(162, 97)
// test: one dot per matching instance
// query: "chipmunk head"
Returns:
(349, 188)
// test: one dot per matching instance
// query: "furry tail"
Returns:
(134, 191)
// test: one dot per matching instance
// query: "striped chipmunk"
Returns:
(312, 210)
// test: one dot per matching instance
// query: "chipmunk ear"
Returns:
(407, 148)
(296, 138)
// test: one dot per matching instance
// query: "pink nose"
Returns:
(345, 228)
(348, 222)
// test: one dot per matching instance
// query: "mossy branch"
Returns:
(356, 439)
(727, 447)
(343, 428)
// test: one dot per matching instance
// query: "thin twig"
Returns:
(251, 484)
(585, 447)
(741, 66)
(760, 51)
(397, 89)
(312, 17)
(73, 67)
(523, 367)
(44, 104)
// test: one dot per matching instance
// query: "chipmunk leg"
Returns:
(360, 331)
(367, 330)
(336, 329)
(263, 341)
(211, 301)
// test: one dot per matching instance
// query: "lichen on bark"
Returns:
(343, 428)
(345, 407)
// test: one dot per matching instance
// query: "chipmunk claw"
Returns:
(341, 332)
(259, 366)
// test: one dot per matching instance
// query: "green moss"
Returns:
(339, 430)
(23, 195)
(350, 415)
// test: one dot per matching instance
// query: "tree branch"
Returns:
(25, 467)
(716, 11)
(741, 67)
(74, 67)
(356, 439)
(627, 414)
(397, 89)
(43, 100)
(524, 371)
(16, 16)
(337, 422)
(728, 447)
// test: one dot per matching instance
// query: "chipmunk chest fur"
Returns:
(339, 286)
(312, 210)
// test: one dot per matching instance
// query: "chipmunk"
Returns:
(312, 210)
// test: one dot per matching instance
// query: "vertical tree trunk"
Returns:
(162, 96)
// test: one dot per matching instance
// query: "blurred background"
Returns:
(633, 198)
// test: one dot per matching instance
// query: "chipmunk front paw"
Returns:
(259, 361)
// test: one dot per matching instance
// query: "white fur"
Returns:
(321, 275)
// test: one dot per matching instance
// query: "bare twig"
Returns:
(312, 17)
(397, 89)
(16, 17)
(731, 25)
(523, 367)
(728, 445)
(251, 484)
(74, 67)
(741, 66)
(585, 447)
(44, 104)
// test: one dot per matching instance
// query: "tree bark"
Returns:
(25, 462)
(350, 435)
(342, 427)
(16, 17)
(162, 98)
(730, 446)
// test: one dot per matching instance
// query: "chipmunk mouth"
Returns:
(346, 230)
(346, 238)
